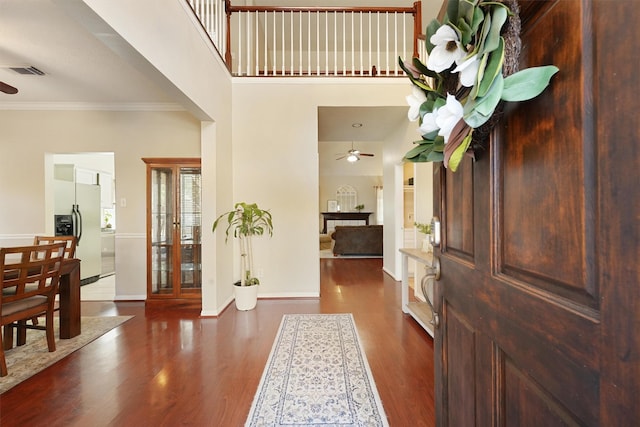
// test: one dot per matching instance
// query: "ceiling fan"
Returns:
(353, 155)
(8, 88)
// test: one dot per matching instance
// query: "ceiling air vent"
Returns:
(27, 70)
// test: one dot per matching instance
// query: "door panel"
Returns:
(459, 203)
(538, 316)
(543, 161)
(460, 341)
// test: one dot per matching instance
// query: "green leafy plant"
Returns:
(423, 228)
(463, 82)
(246, 220)
(359, 207)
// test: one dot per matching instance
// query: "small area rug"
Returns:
(317, 375)
(31, 358)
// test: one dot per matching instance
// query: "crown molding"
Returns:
(90, 106)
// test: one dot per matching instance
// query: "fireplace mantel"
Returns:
(344, 216)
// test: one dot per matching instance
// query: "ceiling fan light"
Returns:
(352, 158)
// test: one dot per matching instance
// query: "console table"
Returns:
(419, 310)
(344, 216)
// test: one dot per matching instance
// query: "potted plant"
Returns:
(246, 220)
(424, 229)
(359, 208)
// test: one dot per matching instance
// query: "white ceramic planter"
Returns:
(426, 245)
(246, 297)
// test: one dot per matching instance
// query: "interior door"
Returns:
(539, 287)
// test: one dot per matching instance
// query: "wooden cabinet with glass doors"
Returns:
(173, 228)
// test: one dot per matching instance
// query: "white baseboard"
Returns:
(130, 298)
(397, 279)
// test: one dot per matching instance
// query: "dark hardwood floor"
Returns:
(171, 367)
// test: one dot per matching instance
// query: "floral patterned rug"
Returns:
(317, 375)
(31, 358)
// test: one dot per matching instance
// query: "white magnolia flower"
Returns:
(468, 70)
(448, 116)
(415, 100)
(429, 123)
(446, 51)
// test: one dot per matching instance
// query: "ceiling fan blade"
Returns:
(8, 88)
(367, 154)
(341, 157)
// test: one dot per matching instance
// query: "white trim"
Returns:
(131, 236)
(91, 106)
(130, 298)
(320, 80)
(20, 236)
(393, 276)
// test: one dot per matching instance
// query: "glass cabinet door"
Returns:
(174, 268)
(190, 229)
(162, 230)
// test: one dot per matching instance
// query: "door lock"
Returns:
(434, 237)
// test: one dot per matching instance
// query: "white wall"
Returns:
(393, 176)
(168, 46)
(275, 154)
(130, 135)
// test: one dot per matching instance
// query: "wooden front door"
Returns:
(539, 296)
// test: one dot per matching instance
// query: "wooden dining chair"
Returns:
(29, 276)
(69, 250)
(70, 242)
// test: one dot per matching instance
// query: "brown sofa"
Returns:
(357, 240)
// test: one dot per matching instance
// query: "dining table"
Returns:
(69, 298)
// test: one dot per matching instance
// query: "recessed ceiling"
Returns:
(77, 67)
(335, 124)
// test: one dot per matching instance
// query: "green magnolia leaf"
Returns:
(429, 105)
(439, 102)
(457, 155)
(465, 10)
(498, 18)
(423, 69)
(481, 67)
(416, 81)
(438, 144)
(430, 135)
(430, 31)
(528, 83)
(492, 69)
(479, 110)
(452, 12)
(465, 20)
(488, 103)
(478, 18)
(466, 34)
(418, 149)
(486, 27)
(435, 156)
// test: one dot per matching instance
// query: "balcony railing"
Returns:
(311, 41)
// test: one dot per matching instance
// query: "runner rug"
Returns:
(317, 375)
(31, 358)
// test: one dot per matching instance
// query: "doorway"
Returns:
(97, 244)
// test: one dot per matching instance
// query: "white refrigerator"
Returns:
(82, 203)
